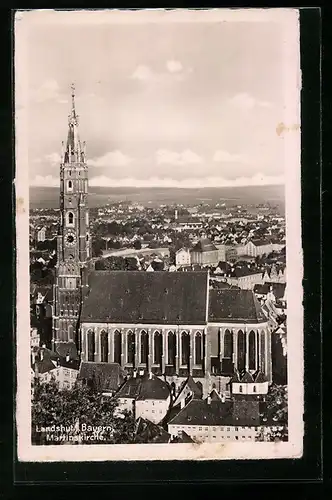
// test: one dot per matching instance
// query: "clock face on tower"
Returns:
(70, 239)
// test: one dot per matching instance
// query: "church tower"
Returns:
(73, 240)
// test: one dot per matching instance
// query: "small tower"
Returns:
(73, 240)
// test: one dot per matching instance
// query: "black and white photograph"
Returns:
(159, 254)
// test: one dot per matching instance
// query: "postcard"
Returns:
(159, 255)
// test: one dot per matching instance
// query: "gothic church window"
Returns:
(185, 348)
(262, 352)
(241, 350)
(198, 349)
(70, 185)
(91, 345)
(144, 347)
(131, 347)
(171, 343)
(252, 350)
(228, 344)
(157, 348)
(104, 346)
(117, 347)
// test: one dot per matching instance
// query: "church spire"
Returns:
(73, 140)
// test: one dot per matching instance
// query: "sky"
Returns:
(180, 104)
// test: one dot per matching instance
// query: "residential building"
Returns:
(182, 257)
(146, 395)
(48, 366)
(245, 277)
(205, 253)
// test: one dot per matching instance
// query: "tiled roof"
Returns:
(43, 366)
(73, 364)
(239, 272)
(232, 305)
(247, 378)
(214, 395)
(191, 384)
(109, 375)
(140, 297)
(183, 437)
(246, 412)
(204, 245)
(260, 243)
(142, 388)
(148, 432)
(64, 348)
(199, 412)
(260, 378)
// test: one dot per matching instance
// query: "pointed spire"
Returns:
(73, 99)
(73, 141)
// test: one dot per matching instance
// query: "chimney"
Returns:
(176, 215)
(223, 398)
(134, 373)
(209, 400)
(41, 354)
(67, 358)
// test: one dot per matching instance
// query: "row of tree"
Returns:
(80, 415)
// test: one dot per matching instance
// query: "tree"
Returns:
(78, 415)
(275, 414)
(97, 247)
(137, 245)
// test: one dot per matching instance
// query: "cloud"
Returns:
(226, 157)
(174, 72)
(174, 158)
(143, 73)
(174, 66)
(247, 102)
(48, 91)
(53, 158)
(112, 158)
(256, 180)
(45, 181)
(104, 181)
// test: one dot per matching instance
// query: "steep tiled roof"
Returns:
(142, 388)
(43, 366)
(139, 297)
(247, 378)
(148, 432)
(232, 305)
(191, 384)
(183, 437)
(204, 245)
(109, 375)
(214, 395)
(64, 348)
(199, 412)
(260, 378)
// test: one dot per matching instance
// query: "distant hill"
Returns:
(41, 197)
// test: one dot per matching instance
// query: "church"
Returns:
(172, 324)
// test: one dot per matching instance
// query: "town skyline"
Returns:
(171, 117)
